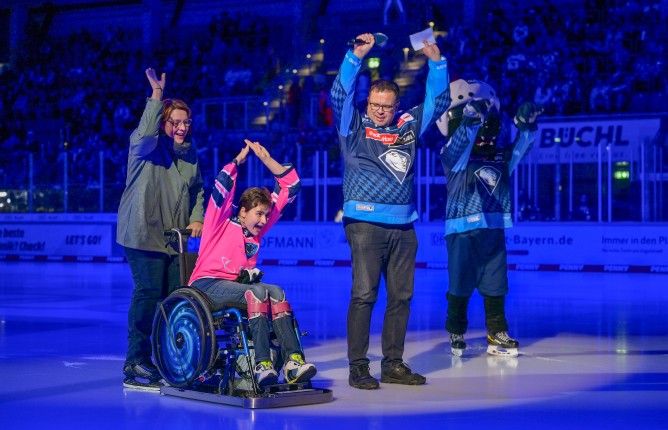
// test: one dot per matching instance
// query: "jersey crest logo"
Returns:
(397, 162)
(489, 177)
(403, 119)
(251, 249)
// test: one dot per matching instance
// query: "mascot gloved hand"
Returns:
(250, 276)
(525, 119)
(475, 111)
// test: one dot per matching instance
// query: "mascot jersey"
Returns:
(379, 161)
(227, 247)
(479, 186)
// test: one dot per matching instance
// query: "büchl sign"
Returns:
(581, 141)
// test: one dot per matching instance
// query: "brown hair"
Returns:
(169, 106)
(383, 85)
(253, 197)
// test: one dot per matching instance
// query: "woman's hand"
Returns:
(196, 228)
(158, 85)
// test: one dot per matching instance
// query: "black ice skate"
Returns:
(457, 344)
(502, 345)
(147, 374)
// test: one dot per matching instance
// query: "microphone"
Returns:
(381, 40)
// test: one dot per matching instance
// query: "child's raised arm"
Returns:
(274, 166)
(241, 158)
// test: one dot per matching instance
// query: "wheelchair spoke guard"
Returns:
(184, 343)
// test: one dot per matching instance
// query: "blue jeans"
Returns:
(155, 276)
(221, 291)
(390, 251)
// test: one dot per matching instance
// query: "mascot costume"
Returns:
(477, 168)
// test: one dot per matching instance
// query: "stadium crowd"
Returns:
(78, 93)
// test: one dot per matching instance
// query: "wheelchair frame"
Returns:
(204, 348)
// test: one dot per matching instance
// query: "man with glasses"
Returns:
(163, 191)
(378, 148)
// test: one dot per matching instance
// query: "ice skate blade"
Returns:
(132, 384)
(502, 352)
(457, 352)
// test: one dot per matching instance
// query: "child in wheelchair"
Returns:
(226, 267)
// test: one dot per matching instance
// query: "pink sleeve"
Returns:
(286, 190)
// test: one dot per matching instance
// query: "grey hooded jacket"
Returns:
(163, 189)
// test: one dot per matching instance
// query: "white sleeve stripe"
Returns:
(221, 189)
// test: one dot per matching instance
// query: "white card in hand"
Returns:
(417, 39)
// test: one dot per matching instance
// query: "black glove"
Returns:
(250, 276)
(474, 112)
(526, 116)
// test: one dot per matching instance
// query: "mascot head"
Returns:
(462, 92)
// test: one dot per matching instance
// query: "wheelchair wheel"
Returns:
(184, 341)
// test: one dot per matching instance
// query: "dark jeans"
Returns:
(390, 251)
(220, 291)
(155, 276)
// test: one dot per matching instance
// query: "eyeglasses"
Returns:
(176, 124)
(386, 108)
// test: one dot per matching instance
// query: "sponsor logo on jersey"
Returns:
(353, 60)
(364, 208)
(397, 162)
(384, 138)
(406, 138)
(499, 157)
(403, 119)
(489, 177)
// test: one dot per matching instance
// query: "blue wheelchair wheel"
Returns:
(184, 342)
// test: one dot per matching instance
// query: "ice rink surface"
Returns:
(594, 354)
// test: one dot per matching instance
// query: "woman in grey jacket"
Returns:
(163, 190)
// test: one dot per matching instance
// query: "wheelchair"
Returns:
(205, 352)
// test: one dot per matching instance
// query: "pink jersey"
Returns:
(226, 247)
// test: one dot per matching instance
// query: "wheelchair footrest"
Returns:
(280, 388)
(276, 396)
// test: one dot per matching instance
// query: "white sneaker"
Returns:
(265, 374)
(296, 370)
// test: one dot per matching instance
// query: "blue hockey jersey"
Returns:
(479, 187)
(379, 161)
